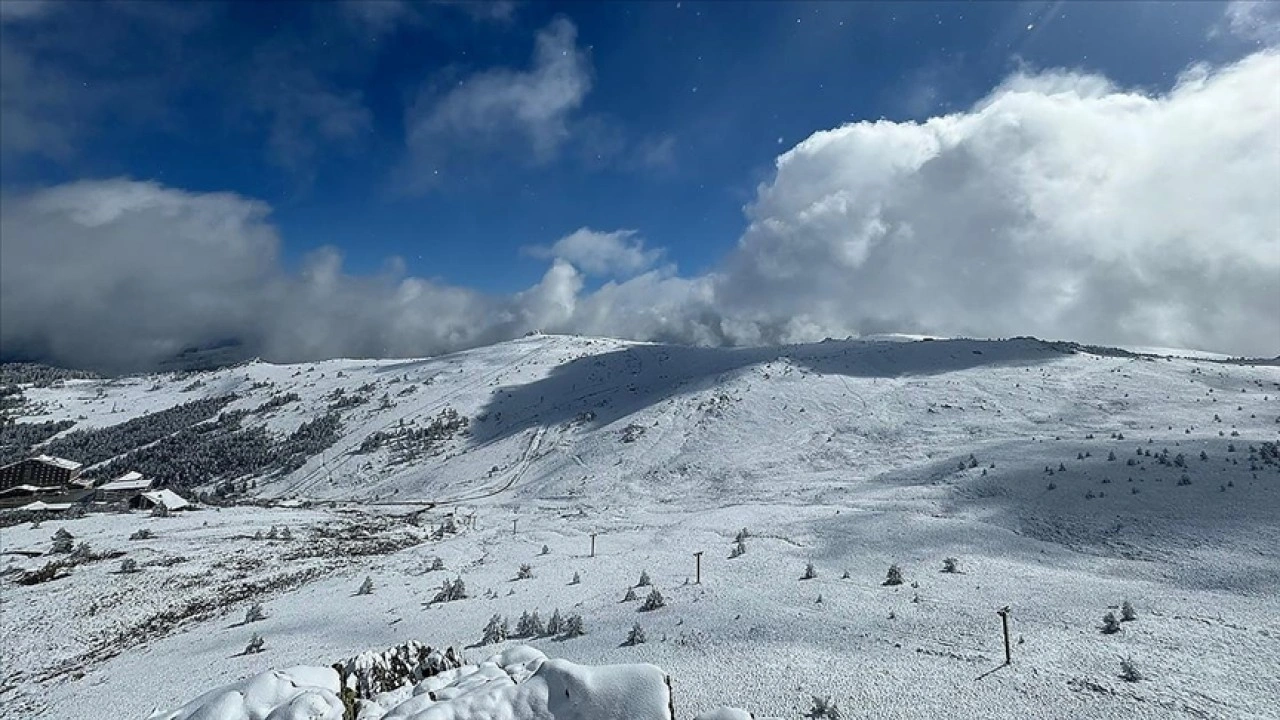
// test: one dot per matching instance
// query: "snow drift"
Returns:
(518, 684)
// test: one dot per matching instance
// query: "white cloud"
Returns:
(619, 254)
(483, 110)
(1251, 20)
(1058, 206)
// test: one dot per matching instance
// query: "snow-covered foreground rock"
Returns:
(1063, 481)
(517, 684)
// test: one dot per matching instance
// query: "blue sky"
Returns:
(456, 136)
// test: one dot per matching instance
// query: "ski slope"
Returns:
(850, 455)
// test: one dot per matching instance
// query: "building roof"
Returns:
(38, 505)
(167, 498)
(131, 480)
(29, 490)
(58, 462)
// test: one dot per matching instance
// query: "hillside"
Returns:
(1064, 479)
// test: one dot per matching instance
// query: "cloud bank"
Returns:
(1059, 205)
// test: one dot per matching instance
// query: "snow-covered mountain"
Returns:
(1063, 478)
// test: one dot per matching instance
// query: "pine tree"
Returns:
(739, 549)
(495, 631)
(555, 625)
(894, 576)
(285, 533)
(128, 565)
(525, 572)
(950, 565)
(809, 572)
(254, 614)
(437, 564)
(62, 541)
(653, 601)
(529, 625)
(366, 587)
(546, 550)
(631, 595)
(1129, 671)
(272, 533)
(644, 579)
(255, 645)
(1127, 612)
(573, 626)
(1110, 625)
(576, 579)
(636, 636)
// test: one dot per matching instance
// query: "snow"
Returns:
(846, 454)
(131, 480)
(29, 490)
(167, 498)
(517, 684)
(297, 693)
(59, 462)
(42, 505)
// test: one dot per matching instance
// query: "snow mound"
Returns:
(298, 693)
(518, 684)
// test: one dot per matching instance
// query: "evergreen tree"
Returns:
(573, 626)
(254, 614)
(894, 576)
(653, 601)
(1110, 625)
(636, 636)
(555, 625)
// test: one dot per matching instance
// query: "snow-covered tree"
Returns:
(631, 595)
(525, 572)
(653, 601)
(810, 572)
(576, 579)
(255, 645)
(1127, 612)
(495, 631)
(950, 565)
(894, 576)
(529, 625)
(555, 625)
(573, 626)
(254, 613)
(1129, 671)
(437, 564)
(128, 565)
(644, 579)
(285, 533)
(451, 590)
(824, 707)
(273, 533)
(142, 534)
(636, 636)
(62, 541)
(546, 550)
(739, 549)
(366, 587)
(1110, 625)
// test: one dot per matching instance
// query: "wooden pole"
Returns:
(593, 544)
(1004, 621)
(698, 572)
(513, 526)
